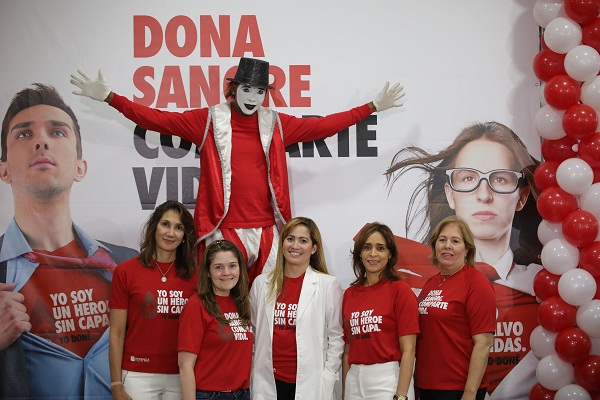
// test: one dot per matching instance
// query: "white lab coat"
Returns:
(319, 337)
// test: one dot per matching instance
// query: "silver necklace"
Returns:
(164, 277)
(444, 278)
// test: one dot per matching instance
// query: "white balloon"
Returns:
(548, 123)
(588, 318)
(545, 11)
(559, 256)
(562, 34)
(582, 63)
(542, 341)
(590, 93)
(577, 287)
(590, 200)
(554, 373)
(572, 392)
(549, 230)
(574, 176)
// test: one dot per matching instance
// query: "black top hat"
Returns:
(252, 72)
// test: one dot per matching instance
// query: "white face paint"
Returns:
(249, 98)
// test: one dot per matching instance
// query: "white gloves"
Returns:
(388, 98)
(96, 89)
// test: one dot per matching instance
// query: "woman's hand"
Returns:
(119, 393)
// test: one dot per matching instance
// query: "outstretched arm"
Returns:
(188, 125)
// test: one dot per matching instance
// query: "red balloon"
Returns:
(572, 345)
(559, 149)
(580, 228)
(545, 284)
(587, 373)
(589, 150)
(597, 295)
(545, 175)
(582, 11)
(596, 175)
(538, 392)
(555, 314)
(591, 34)
(554, 204)
(589, 259)
(562, 92)
(547, 64)
(580, 121)
(543, 42)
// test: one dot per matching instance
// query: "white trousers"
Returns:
(372, 382)
(148, 386)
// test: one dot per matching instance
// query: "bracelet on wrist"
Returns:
(116, 383)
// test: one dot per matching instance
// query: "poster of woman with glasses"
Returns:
(485, 177)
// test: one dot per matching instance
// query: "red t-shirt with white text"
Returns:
(67, 306)
(375, 317)
(450, 313)
(285, 352)
(224, 352)
(153, 309)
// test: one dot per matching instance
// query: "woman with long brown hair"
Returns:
(215, 335)
(381, 321)
(146, 298)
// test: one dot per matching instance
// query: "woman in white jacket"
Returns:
(296, 313)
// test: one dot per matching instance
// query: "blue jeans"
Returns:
(240, 394)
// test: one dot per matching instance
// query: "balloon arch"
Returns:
(567, 341)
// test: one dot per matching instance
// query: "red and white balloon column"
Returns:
(567, 341)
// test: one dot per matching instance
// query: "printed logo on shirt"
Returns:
(362, 324)
(285, 316)
(170, 303)
(434, 299)
(236, 328)
(139, 359)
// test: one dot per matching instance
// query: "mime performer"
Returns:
(243, 192)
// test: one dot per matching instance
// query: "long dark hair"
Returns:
(434, 205)
(360, 271)
(185, 261)
(240, 292)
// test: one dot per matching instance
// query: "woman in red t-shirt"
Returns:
(215, 335)
(146, 297)
(381, 321)
(457, 315)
